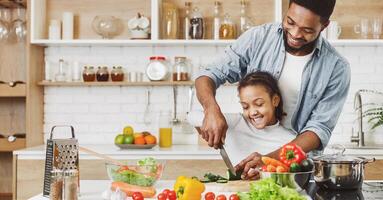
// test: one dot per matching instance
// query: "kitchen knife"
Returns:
(226, 158)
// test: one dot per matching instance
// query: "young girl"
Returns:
(257, 128)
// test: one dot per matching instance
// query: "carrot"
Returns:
(270, 168)
(281, 169)
(275, 163)
(129, 189)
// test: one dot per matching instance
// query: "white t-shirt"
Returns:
(242, 138)
(290, 84)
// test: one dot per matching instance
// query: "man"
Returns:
(313, 77)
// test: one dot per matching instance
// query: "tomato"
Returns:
(172, 195)
(166, 192)
(234, 197)
(161, 196)
(221, 197)
(209, 196)
(137, 196)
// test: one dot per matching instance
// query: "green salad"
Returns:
(140, 176)
(267, 189)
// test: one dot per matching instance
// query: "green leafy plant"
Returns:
(375, 116)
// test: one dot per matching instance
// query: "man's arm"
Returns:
(214, 125)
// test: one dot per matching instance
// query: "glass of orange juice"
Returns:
(165, 130)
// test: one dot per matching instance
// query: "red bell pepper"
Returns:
(291, 153)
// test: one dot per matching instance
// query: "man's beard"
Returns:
(305, 47)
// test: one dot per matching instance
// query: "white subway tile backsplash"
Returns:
(101, 112)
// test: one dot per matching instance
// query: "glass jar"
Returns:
(227, 28)
(56, 185)
(102, 74)
(170, 21)
(88, 74)
(61, 75)
(117, 74)
(71, 180)
(197, 24)
(180, 69)
(157, 69)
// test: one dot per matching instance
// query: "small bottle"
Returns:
(56, 185)
(197, 24)
(61, 75)
(102, 74)
(70, 188)
(180, 69)
(217, 20)
(89, 74)
(227, 29)
(245, 21)
(187, 20)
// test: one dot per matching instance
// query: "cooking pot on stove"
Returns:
(338, 171)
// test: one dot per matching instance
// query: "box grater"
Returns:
(60, 154)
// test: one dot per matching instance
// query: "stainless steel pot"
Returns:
(337, 171)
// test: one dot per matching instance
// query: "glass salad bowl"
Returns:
(145, 173)
(107, 26)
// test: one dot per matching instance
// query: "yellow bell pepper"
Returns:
(188, 188)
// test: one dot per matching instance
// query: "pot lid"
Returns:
(338, 156)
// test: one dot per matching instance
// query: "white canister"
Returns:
(48, 71)
(68, 26)
(54, 30)
(76, 71)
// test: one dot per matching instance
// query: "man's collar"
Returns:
(318, 45)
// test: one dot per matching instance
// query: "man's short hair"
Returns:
(323, 8)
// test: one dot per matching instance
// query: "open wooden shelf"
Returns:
(6, 146)
(18, 91)
(13, 3)
(127, 42)
(153, 83)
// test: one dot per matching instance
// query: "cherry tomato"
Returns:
(166, 192)
(172, 195)
(264, 168)
(137, 196)
(234, 197)
(209, 196)
(161, 196)
(221, 197)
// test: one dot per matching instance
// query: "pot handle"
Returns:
(370, 160)
(337, 149)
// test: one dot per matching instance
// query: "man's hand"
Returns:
(214, 127)
(250, 165)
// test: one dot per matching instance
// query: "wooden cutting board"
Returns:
(231, 186)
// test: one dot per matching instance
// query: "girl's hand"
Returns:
(250, 165)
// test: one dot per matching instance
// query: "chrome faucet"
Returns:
(359, 138)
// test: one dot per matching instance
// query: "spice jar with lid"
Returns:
(180, 69)
(157, 69)
(88, 74)
(102, 74)
(117, 74)
(56, 185)
(71, 186)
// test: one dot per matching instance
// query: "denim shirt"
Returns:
(325, 78)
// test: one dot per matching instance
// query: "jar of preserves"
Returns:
(157, 69)
(180, 69)
(117, 74)
(88, 74)
(227, 29)
(102, 74)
